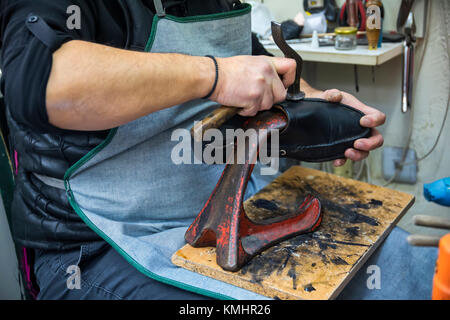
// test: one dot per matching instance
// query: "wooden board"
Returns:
(357, 217)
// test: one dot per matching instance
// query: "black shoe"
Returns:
(316, 130)
(319, 130)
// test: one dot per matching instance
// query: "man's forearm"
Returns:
(95, 87)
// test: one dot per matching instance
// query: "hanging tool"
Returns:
(408, 62)
(355, 72)
(403, 13)
(353, 14)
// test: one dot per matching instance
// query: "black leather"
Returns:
(319, 130)
(42, 217)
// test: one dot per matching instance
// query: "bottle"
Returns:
(315, 40)
(373, 23)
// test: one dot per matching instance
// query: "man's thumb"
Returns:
(286, 69)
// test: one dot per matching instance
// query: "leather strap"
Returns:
(52, 182)
(159, 8)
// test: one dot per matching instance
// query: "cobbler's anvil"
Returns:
(223, 223)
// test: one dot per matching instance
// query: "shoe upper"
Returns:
(319, 130)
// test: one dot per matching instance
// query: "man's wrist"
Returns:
(216, 78)
(206, 76)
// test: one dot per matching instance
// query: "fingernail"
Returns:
(359, 145)
(365, 122)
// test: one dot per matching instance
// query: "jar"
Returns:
(345, 38)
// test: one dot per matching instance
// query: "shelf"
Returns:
(361, 55)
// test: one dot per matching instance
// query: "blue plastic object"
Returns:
(380, 39)
(438, 191)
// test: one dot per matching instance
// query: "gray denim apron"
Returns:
(130, 192)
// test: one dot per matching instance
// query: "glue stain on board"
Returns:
(309, 288)
(281, 260)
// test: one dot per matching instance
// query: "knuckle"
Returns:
(332, 91)
(358, 156)
(267, 67)
(251, 112)
(245, 112)
(254, 94)
(293, 62)
(267, 105)
(280, 96)
(260, 80)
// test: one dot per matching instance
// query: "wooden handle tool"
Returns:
(423, 241)
(433, 222)
(213, 120)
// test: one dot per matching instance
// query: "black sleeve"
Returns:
(30, 31)
(257, 48)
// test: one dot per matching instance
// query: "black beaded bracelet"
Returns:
(217, 77)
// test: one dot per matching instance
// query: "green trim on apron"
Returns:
(88, 157)
(133, 262)
(124, 254)
(245, 9)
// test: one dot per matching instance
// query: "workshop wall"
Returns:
(430, 100)
(283, 10)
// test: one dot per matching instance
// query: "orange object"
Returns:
(441, 281)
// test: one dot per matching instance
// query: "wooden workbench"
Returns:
(357, 217)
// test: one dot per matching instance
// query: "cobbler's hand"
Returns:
(372, 119)
(253, 83)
